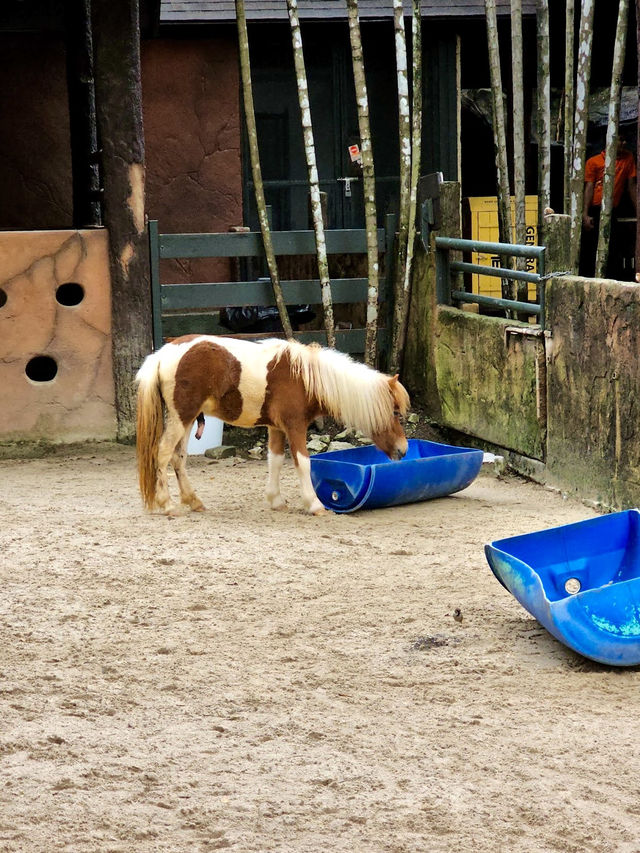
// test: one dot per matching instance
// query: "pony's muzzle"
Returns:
(399, 454)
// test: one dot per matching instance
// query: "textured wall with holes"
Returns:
(55, 318)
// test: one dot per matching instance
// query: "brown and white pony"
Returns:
(279, 384)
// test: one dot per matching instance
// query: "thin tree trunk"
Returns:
(583, 81)
(544, 115)
(404, 123)
(518, 123)
(604, 232)
(569, 101)
(314, 187)
(499, 136)
(416, 160)
(637, 258)
(256, 171)
(368, 183)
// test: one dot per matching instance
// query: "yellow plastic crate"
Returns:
(484, 226)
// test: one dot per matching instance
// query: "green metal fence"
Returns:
(445, 266)
(190, 302)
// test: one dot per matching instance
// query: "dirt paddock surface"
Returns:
(264, 681)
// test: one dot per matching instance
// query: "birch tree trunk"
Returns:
(314, 188)
(637, 258)
(416, 160)
(368, 184)
(518, 126)
(569, 101)
(604, 232)
(583, 80)
(499, 136)
(256, 171)
(544, 115)
(404, 124)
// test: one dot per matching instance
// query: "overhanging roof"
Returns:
(224, 11)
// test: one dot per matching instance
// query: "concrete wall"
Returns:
(593, 386)
(564, 405)
(55, 337)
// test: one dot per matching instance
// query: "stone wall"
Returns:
(55, 337)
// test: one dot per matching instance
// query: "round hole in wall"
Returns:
(70, 293)
(3, 298)
(572, 586)
(41, 368)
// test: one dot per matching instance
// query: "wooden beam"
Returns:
(82, 114)
(116, 38)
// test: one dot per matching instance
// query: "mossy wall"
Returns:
(486, 380)
(593, 443)
(569, 398)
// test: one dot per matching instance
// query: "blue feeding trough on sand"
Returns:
(581, 582)
(365, 478)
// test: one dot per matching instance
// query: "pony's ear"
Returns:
(393, 380)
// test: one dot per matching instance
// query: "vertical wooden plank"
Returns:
(116, 35)
(82, 114)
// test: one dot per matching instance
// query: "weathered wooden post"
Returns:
(82, 115)
(116, 36)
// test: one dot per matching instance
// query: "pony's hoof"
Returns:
(320, 511)
(198, 507)
(279, 504)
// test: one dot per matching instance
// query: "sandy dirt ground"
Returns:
(263, 681)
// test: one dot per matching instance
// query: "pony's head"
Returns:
(391, 439)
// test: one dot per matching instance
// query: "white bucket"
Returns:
(211, 436)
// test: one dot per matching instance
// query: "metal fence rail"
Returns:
(445, 267)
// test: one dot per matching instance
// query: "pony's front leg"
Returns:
(275, 460)
(179, 462)
(300, 454)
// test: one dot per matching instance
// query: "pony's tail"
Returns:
(149, 428)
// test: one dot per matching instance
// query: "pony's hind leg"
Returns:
(172, 436)
(179, 462)
(275, 460)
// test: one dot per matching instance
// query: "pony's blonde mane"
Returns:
(347, 390)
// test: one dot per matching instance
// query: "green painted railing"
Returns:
(445, 267)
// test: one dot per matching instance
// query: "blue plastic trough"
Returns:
(365, 478)
(581, 582)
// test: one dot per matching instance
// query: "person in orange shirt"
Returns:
(624, 180)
